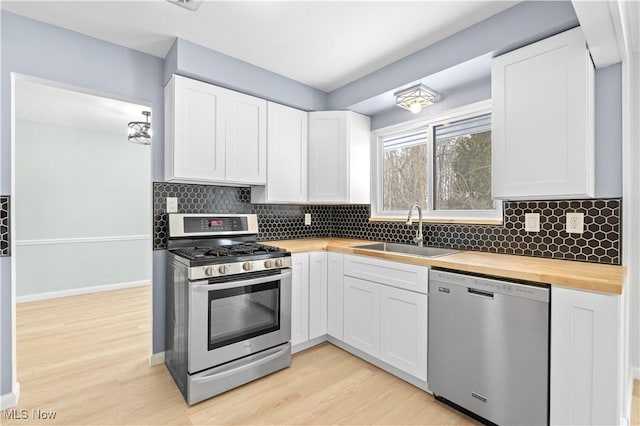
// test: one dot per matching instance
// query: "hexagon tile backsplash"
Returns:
(599, 243)
(5, 243)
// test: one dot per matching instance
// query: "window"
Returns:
(442, 164)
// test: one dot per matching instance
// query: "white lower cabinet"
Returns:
(586, 353)
(299, 298)
(403, 330)
(382, 317)
(335, 295)
(308, 296)
(362, 315)
(317, 294)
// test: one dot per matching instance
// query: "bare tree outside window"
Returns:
(463, 172)
(404, 177)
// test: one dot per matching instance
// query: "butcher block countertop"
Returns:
(565, 273)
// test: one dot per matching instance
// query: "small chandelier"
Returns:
(140, 132)
(415, 98)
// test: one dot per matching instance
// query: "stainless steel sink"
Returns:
(408, 249)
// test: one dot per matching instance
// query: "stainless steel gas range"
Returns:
(228, 304)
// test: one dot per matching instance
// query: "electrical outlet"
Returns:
(307, 218)
(575, 223)
(532, 222)
(172, 205)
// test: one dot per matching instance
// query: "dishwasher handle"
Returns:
(476, 292)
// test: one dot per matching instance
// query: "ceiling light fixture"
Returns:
(187, 4)
(415, 98)
(140, 132)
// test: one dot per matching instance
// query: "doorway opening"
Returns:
(81, 218)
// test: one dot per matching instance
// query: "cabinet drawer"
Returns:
(396, 274)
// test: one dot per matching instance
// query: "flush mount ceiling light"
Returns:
(140, 132)
(415, 98)
(187, 4)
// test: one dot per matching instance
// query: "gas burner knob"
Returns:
(208, 271)
(268, 263)
(223, 269)
(247, 266)
(278, 263)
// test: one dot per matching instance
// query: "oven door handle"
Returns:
(240, 283)
(264, 357)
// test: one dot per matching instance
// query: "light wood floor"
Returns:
(86, 359)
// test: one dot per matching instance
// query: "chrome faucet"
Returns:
(419, 239)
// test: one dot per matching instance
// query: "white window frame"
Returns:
(447, 216)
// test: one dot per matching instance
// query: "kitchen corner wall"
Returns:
(600, 243)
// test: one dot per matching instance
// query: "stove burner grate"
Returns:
(241, 249)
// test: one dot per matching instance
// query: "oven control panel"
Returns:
(211, 225)
(214, 224)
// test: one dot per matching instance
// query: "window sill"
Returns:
(454, 221)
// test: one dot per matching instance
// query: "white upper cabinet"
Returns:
(543, 120)
(194, 132)
(246, 143)
(213, 135)
(339, 157)
(287, 141)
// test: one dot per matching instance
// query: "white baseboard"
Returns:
(156, 359)
(308, 344)
(82, 290)
(10, 400)
(636, 373)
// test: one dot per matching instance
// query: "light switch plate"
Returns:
(307, 218)
(532, 222)
(172, 205)
(575, 223)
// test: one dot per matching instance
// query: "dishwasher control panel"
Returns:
(489, 286)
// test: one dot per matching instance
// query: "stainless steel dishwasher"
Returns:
(489, 347)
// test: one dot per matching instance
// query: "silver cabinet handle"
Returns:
(240, 283)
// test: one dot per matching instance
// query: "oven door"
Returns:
(230, 320)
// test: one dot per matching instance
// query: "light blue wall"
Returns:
(66, 187)
(195, 61)
(608, 131)
(41, 50)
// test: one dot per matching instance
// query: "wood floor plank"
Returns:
(86, 359)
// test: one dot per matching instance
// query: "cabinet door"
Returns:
(287, 143)
(362, 315)
(585, 358)
(299, 298)
(317, 294)
(542, 124)
(335, 295)
(195, 145)
(246, 139)
(403, 330)
(328, 156)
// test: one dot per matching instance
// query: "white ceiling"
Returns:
(47, 104)
(324, 44)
